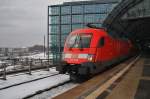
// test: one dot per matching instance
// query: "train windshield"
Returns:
(79, 41)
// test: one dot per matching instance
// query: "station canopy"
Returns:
(131, 19)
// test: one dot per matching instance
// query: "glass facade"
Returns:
(65, 18)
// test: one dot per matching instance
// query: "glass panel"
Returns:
(62, 44)
(77, 19)
(54, 38)
(54, 47)
(100, 8)
(65, 29)
(71, 41)
(92, 18)
(77, 9)
(85, 40)
(77, 26)
(89, 18)
(65, 19)
(54, 10)
(89, 9)
(54, 20)
(65, 10)
(54, 29)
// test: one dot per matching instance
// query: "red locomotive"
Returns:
(89, 51)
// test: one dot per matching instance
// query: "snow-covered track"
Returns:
(17, 84)
(30, 88)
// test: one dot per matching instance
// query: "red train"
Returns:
(89, 51)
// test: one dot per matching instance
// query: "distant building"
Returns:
(4, 51)
(69, 16)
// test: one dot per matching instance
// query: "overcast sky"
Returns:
(23, 23)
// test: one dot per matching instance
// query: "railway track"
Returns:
(33, 87)
(17, 84)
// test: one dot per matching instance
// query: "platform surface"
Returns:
(128, 87)
(134, 85)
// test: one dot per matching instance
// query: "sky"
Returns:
(23, 23)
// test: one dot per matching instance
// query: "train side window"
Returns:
(101, 42)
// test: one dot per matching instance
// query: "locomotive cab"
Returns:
(78, 48)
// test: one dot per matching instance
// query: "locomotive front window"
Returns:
(72, 39)
(79, 41)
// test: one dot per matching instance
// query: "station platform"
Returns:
(121, 82)
(134, 85)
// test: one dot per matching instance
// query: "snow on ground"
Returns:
(22, 77)
(20, 91)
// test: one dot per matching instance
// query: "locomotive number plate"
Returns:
(74, 56)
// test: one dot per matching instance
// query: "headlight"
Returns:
(90, 57)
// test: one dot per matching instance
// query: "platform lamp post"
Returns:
(47, 65)
(44, 46)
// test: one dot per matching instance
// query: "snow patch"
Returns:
(36, 56)
(18, 92)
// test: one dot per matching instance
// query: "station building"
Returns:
(66, 17)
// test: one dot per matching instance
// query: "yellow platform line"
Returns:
(106, 85)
